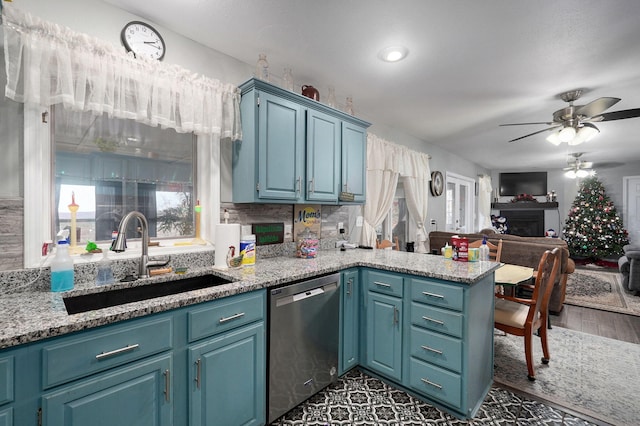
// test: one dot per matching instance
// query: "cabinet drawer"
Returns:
(435, 382)
(6, 379)
(433, 293)
(98, 350)
(436, 348)
(436, 319)
(384, 282)
(225, 314)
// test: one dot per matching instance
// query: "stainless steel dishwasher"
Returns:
(303, 341)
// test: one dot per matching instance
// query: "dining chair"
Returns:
(522, 317)
(386, 243)
(495, 250)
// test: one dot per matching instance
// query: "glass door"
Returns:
(459, 203)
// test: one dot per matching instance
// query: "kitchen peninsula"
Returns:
(436, 303)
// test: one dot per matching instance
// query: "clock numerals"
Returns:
(143, 40)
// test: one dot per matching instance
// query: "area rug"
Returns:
(600, 289)
(589, 374)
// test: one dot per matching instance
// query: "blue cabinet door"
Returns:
(354, 160)
(323, 157)
(138, 394)
(384, 334)
(228, 379)
(349, 321)
(281, 144)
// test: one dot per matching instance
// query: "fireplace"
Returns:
(525, 223)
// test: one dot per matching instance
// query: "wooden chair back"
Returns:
(495, 251)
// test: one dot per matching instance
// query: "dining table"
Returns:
(508, 276)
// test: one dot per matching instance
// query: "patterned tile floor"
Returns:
(358, 399)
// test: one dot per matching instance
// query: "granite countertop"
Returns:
(29, 316)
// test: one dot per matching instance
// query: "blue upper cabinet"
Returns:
(292, 149)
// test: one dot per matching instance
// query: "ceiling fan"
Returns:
(576, 167)
(574, 123)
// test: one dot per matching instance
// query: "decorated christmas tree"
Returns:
(593, 228)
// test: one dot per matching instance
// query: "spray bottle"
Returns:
(484, 249)
(62, 265)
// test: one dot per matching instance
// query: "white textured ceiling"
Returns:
(472, 64)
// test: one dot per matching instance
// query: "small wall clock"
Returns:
(143, 40)
(437, 184)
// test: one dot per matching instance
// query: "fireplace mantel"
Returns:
(525, 205)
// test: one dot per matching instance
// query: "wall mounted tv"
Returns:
(532, 183)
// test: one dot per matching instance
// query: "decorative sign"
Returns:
(307, 219)
(268, 233)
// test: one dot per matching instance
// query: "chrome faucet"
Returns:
(119, 244)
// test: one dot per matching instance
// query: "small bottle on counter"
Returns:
(105, 272)
(484, 249)
(62, 266)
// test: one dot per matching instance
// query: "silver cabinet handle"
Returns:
(311, 186)
(349, 285)
(198, 365)
(382, 284)
(232, 317)
(433, 320)
(167, 384)
(115, 352)
(298, 185)
(427, 348)
(439, 296)
(395, 315)
(429, 382)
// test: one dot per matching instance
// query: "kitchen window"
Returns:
(110, 166)
(396, 224)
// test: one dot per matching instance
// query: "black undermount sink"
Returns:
(105, 299)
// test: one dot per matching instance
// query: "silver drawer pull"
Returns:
(382, 284)
(129, 348)
(433, 320)
(439, 296)
(427, 348)
(232, 317)
(429, 382)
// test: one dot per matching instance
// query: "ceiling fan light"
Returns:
(582, 173)
(554, 139)
(570, 174)
(567, 134)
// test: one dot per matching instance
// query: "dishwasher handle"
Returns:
(306, 294)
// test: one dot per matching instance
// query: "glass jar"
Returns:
(349, 106)
(287, 79)
(331, 98)
(262, 67)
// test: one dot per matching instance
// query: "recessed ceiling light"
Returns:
(393, 53)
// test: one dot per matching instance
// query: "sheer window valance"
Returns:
(48, 64)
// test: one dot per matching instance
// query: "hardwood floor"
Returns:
(600, 323)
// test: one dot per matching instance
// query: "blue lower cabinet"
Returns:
(6, 417)
(349, 321)
(228, 379)
(384, 334)
(137, 394)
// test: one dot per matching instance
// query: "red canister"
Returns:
(460, 248)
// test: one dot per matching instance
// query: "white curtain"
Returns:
(382, 180)
(484, 202)
(386, 163)
(416, 175)
(48, 64)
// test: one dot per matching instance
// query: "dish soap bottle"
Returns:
(484, 249)
(105, 273)
(62, 265)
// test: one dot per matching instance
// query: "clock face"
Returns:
(437, 184)
(143, 40)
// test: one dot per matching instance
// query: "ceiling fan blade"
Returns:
(618, 115)
(586, 165)
(596, 107)
(548, 123)
(535, 133)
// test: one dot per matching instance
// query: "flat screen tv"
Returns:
(532, 183)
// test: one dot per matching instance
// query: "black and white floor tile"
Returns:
(358, 399)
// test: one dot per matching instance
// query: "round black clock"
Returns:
(437, 184)
(143, 40)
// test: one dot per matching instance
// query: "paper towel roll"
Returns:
(227, 234)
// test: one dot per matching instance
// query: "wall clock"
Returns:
(437, 184)
(143, 40)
